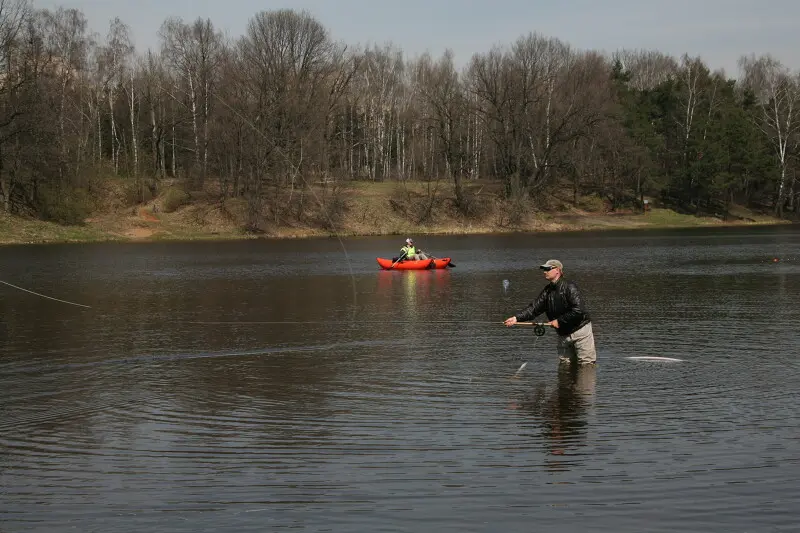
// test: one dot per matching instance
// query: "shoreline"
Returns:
(145, 227)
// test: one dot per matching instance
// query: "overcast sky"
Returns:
(720, 31)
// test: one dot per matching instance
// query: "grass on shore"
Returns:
(369, 212)
(19, 230)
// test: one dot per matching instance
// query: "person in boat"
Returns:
(409, 252)
(566, 311)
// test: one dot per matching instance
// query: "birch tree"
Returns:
(647, 69)
(13, 16)
(287, 60)
(194, 52)
(443, 94)
(381, 78)
(154, 81)
(116, 55)
(68, 42)
(777, 91)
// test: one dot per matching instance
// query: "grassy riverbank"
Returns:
(363, 209)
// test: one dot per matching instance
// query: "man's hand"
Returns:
(510, 321)
(553, 323)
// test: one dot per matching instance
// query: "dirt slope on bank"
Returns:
(363, 209)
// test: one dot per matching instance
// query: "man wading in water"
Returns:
(561, 301)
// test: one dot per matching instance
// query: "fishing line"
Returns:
(42, 295)
(535, 340)
(332, 322)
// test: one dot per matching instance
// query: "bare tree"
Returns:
(535, 99)
(647, 68)
(134, 106)
(541, 66)
(380, 82)
(195, 51)
(115, 56)
(287, 61)
(690, 74)
(154, 78)
(778, 93)
(443, 94)
(68, 42)
(491, 85)
(13, 16)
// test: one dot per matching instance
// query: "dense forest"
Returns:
(286, 107)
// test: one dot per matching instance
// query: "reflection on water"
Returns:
(562, 408)
(270, 385)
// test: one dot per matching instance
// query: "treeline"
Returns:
(267, 115)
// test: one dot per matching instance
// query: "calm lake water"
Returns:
(258, 386)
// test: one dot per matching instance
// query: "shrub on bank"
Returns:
(174, 197)
(593, 204)
(64, 205)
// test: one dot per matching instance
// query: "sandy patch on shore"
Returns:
(139, 233)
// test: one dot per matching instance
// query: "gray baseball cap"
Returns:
(552, 263)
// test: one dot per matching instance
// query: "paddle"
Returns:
(450, 263)
(398, 260)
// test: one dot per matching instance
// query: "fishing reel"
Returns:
(539, 330)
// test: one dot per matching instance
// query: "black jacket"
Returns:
(559, 301)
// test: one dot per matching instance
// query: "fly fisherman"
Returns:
(561, 301)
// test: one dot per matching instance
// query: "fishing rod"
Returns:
(43, 296)
(539, 328)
